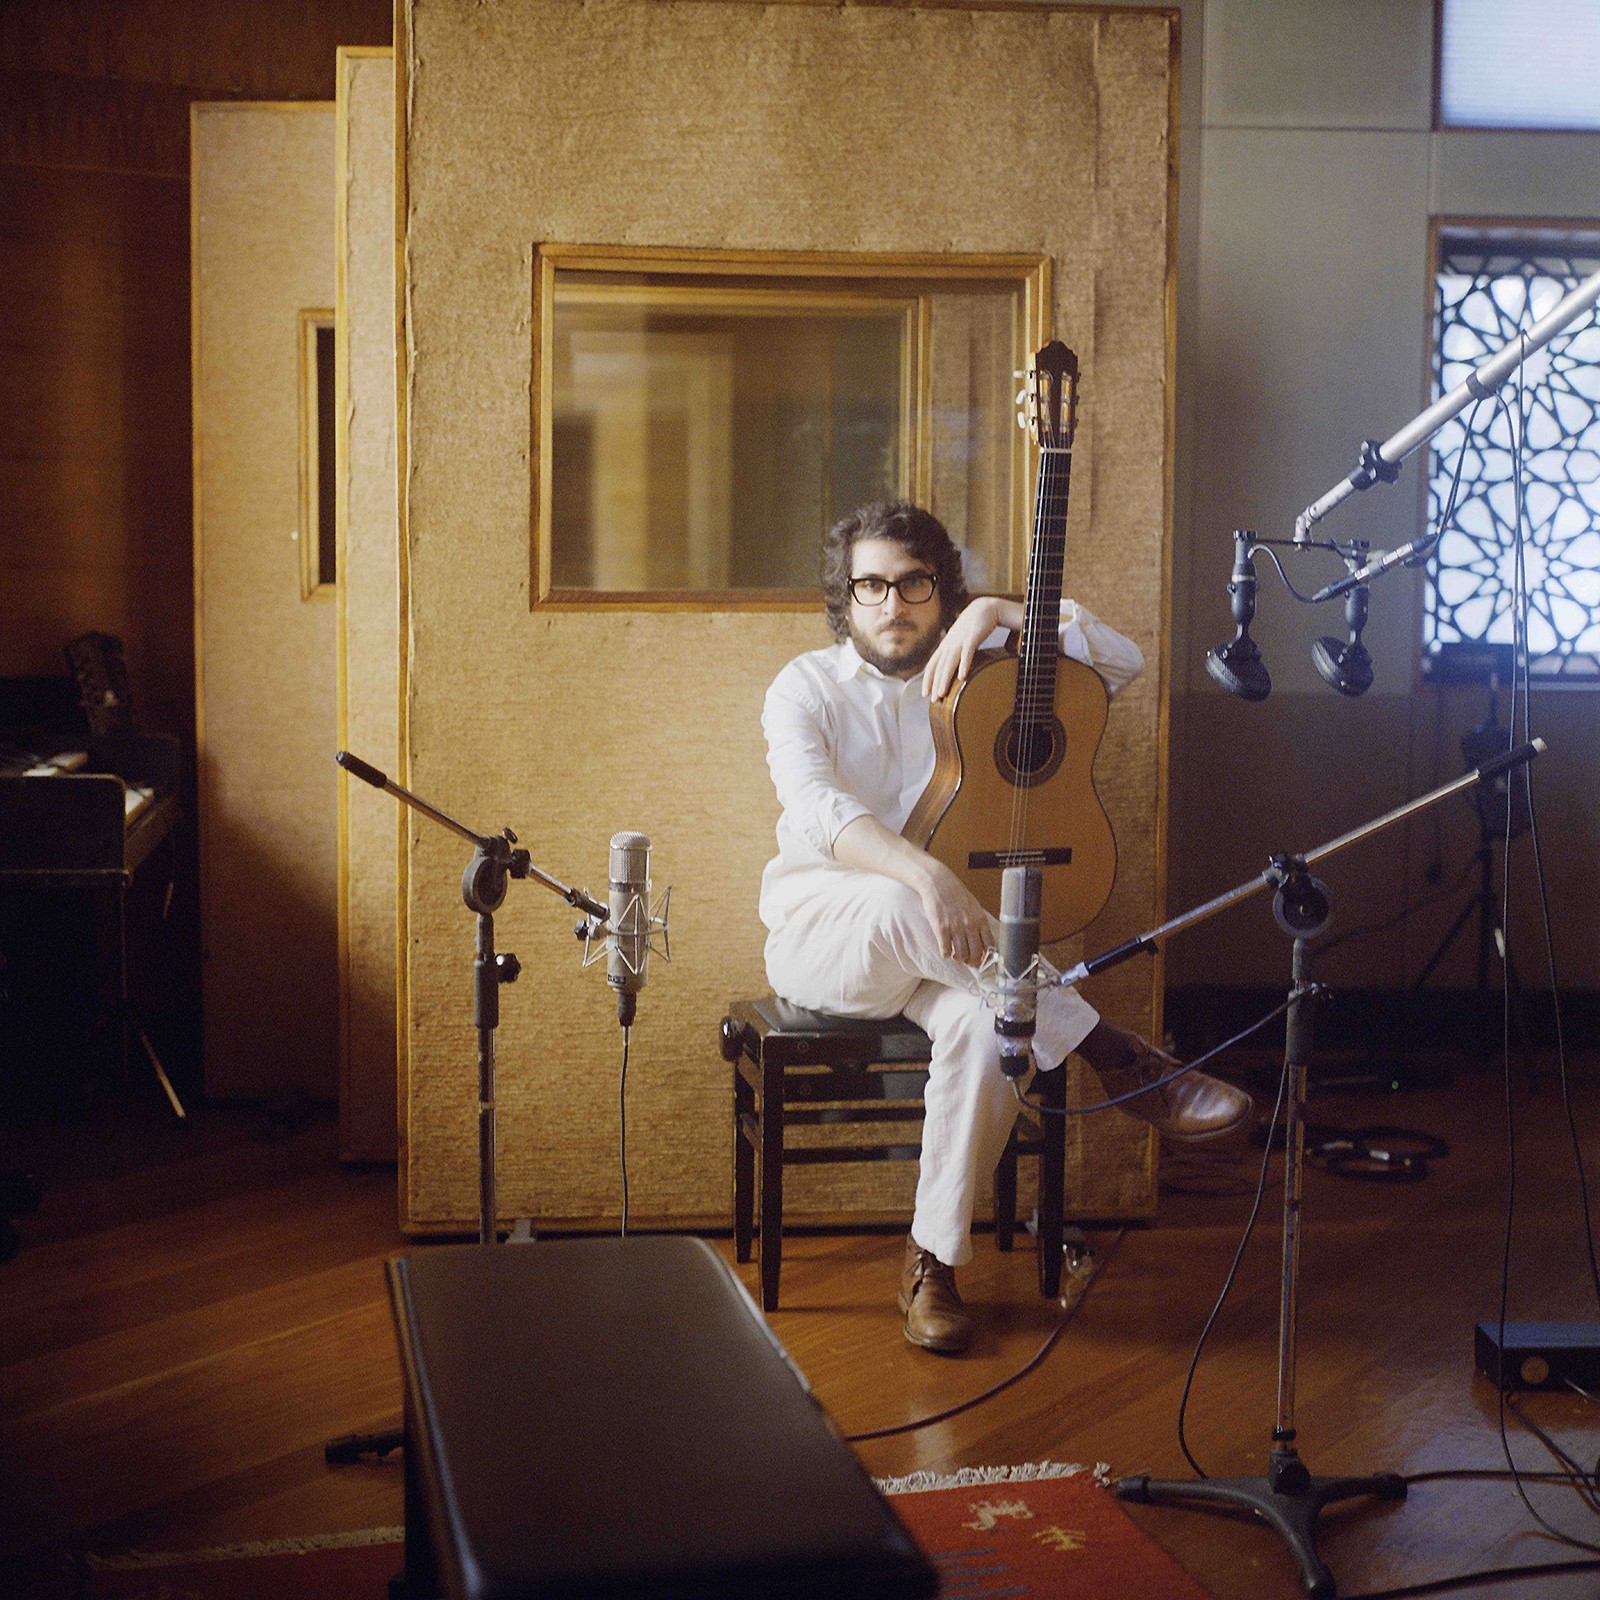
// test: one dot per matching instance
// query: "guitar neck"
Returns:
(1040, 643)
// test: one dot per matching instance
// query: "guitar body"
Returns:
(991, 804)
(1014, 746)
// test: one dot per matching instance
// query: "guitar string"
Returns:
(1019, 730)
(1025, 649)
(1036, 695)
(1027, 732)
(1032, 730)
(1024, 730)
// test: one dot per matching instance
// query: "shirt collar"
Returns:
(851, 665)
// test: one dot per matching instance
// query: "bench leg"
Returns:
(1005, 1194)
(771, 1183)
(1051, 1088)
(421, 1581)
(744, 1163)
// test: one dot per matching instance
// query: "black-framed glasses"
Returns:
(915, 588)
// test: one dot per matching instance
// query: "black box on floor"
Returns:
(612, 1417)
(1540, 1355)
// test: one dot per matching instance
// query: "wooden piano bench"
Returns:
(796, 1067)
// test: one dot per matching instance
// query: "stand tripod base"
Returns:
(1292, 1507)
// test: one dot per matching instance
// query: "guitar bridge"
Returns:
(1052, 856)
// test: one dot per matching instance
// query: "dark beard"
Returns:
(895, 666)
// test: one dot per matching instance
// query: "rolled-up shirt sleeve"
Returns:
(1085, 638)
(800, 758)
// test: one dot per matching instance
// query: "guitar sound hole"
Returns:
(1031, 754)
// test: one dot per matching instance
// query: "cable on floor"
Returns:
(1069, 1312)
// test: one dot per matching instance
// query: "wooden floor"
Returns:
(196, 1310)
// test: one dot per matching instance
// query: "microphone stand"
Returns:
(494, 861)
(1289, 1498)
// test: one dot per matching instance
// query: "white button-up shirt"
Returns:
(844, 740)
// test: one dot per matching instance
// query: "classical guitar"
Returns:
(1014, 744)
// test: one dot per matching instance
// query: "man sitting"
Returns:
(861, 922)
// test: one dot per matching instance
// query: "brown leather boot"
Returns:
(935, 1316)
(1192, 1108)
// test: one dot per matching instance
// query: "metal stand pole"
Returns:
(1279, 864)
(483, 887)
(1288, 1498)
(486, 1015)
(484, 884)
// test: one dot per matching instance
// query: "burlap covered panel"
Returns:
(369, 622)
(263, 252)
(718, 124)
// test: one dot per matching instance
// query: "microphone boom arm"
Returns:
(1274, 874)
(1381, 462)
(494, 846)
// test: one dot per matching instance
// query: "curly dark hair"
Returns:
(918, 531)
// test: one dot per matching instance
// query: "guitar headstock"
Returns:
(1049, 398)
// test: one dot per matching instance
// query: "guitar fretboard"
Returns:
(1039, 648)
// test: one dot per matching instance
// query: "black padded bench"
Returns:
(612, 1418)
(795, 1067)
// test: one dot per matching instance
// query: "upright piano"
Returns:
(78, 811)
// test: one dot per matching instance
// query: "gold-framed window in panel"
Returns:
(701, 418)
(317, 533)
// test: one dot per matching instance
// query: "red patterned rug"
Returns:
(1029, 1532)
(1032, 1532)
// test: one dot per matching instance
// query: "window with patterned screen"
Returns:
(1489, 284)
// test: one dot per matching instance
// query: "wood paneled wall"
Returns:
(95, 503)
(94, 423)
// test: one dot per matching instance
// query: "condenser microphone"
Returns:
(1345, 664)
(628, 936)
(1237, 665)
(1020, 892)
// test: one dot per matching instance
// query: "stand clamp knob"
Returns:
(1371, 468)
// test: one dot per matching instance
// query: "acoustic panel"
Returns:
(369, 616)
(262, 253)
(719, 124)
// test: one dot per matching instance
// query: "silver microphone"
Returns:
(1020, 892)
(628, 935)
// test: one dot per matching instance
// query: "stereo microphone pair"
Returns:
(1344, 665)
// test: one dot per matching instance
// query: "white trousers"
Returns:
(862, 946)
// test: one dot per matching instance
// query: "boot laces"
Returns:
(930, 1268)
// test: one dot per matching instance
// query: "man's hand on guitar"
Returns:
(952, 660)
(959, 923)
